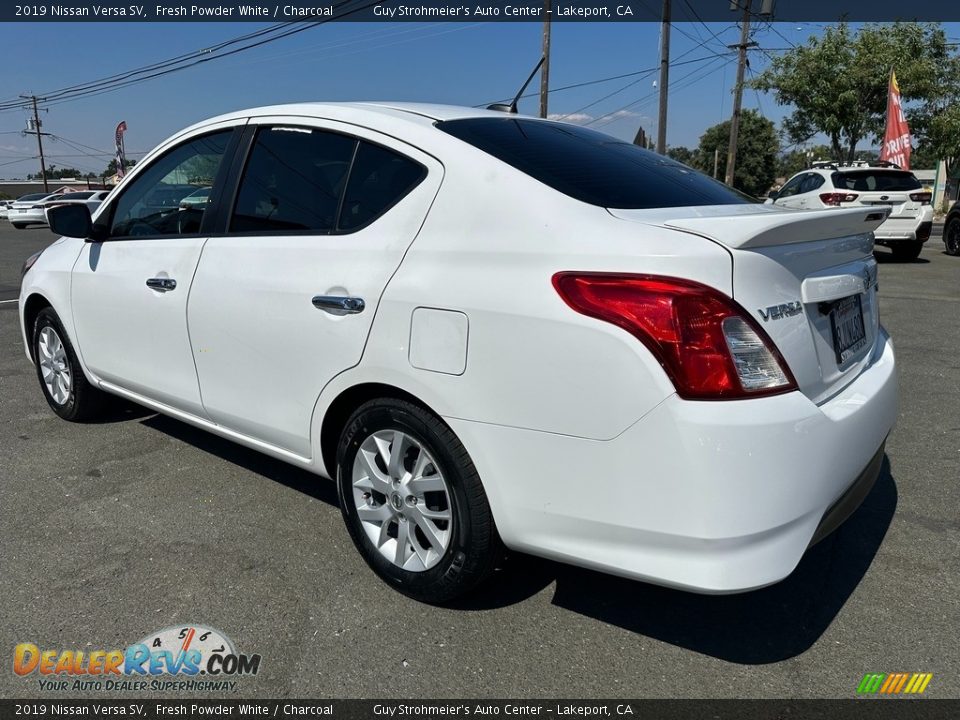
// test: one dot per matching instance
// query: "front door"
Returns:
(129, 292)
(323, 215)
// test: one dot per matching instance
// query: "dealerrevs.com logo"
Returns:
(188, 658)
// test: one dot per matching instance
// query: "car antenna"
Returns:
(512, 107)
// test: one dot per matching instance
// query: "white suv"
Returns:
(850, 185)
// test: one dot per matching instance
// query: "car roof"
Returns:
(361, 112)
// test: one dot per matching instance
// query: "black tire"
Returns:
(951, 237)
(474, 545)
(84, 402)
(18, 226)
(905, 252)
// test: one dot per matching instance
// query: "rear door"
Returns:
(788, 194)
(322, 216)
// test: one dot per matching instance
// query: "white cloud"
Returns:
(575, 118)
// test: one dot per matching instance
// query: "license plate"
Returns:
(22, 210)
(849, 333)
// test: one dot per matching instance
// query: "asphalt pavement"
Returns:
(112, 531)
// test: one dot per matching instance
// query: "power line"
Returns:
(678, 85)
(183, 62)
(645, 75)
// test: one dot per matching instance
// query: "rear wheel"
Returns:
(906, 251)
(62, 380)
(951, 237)
(413, 502)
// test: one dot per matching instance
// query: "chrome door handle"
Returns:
(162, 284)
(336, 305)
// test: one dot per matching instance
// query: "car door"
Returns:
(322, 216)
(787, 196)
(129, 291)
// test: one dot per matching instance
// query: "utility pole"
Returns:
(738, 91)
(664, 77)
(545, 70)
(36, 126)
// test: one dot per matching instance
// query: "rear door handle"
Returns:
(337, 305)
(162, 284)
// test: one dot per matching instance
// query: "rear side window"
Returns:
(590, 166)
(379, 179)
(294, 181)
(873, 180)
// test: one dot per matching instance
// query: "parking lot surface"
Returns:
(112, 531)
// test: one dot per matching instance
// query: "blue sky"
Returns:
(461, 63)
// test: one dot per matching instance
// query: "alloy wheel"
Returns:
(402, 500)
(54, 366)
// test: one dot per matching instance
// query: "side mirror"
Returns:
(773, 195)
(71, 220)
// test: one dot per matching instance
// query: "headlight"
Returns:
(29, 262)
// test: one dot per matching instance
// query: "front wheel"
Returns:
(413, 502)
(906, 251)
(64, 385)
(951, 237)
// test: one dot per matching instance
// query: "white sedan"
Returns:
(28, 210)
(490, 330)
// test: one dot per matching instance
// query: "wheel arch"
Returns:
(34, 303)
(343, 406)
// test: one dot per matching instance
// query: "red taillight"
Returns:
(836, 198)
(921, 197)
(707, 344)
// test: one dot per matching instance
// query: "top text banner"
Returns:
(791, 11)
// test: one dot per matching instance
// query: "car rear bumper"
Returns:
(30, 217)
(713, 497)
(903, 230)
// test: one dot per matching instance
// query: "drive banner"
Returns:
(896, 140)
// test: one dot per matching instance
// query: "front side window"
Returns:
(294, 181)
(151, 204)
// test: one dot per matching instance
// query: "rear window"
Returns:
(873, 180)
(590, 166)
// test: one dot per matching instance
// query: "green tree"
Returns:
(683, 154)
(112, 166)
(757, 148)
(837, 85)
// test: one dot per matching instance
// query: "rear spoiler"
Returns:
(781, 227)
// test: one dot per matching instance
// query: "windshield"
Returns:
(876, 180)
(590, 166)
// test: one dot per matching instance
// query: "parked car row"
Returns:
(32, 209)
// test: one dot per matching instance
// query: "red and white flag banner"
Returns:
(896, 140)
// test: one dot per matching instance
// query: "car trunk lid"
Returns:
(808, 278)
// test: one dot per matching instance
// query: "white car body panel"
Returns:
(566, 417)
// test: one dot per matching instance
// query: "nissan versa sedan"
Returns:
(491, 331)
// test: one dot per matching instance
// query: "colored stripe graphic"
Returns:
(894, 683)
